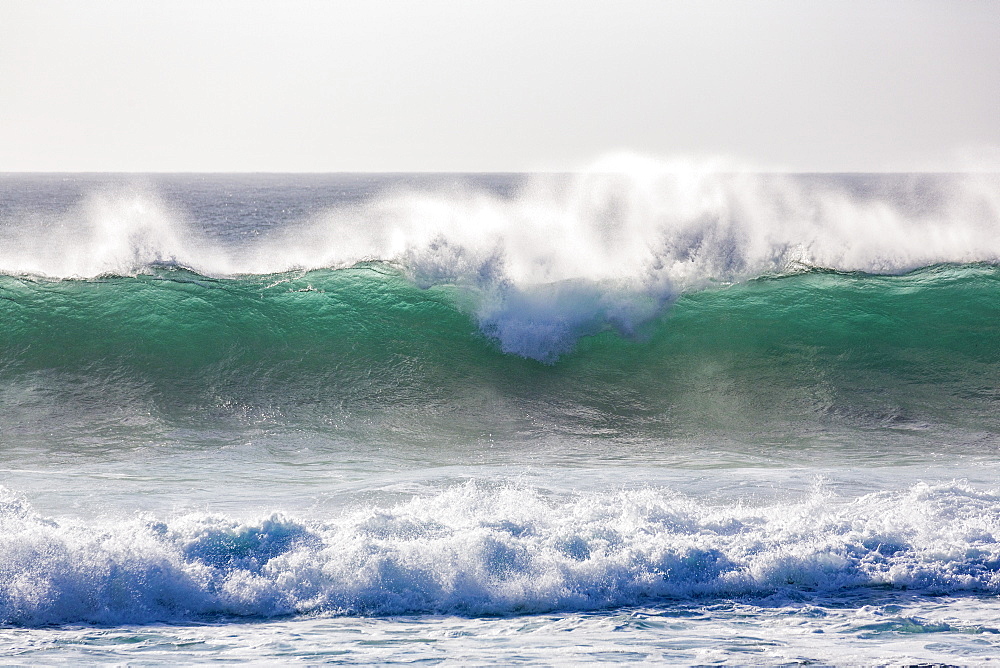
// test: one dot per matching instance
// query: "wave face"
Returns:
(493, 550)
(873, 351)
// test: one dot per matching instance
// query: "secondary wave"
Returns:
(479, 549)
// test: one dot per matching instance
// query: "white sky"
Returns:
(177, 85)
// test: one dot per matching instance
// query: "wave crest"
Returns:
(564, 255)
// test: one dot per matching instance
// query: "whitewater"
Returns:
(659, 411)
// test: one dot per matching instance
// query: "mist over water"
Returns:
(654, 386)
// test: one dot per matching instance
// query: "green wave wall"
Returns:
(875, 352)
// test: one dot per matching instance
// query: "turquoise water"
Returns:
(474, 418)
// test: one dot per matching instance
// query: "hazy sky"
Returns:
(173, 85)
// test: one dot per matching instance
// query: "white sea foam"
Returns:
(606, 249)
(478, 549)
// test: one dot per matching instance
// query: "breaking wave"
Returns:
(557, 257)
(495, 549)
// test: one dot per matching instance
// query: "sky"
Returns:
(484, 85)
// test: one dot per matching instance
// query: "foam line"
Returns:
(487, 549)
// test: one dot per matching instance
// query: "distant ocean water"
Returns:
(665, 415)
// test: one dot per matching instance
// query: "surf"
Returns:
(482, 549)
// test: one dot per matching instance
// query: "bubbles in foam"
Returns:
(487, 549)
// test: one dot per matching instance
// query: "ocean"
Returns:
(668, 414)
